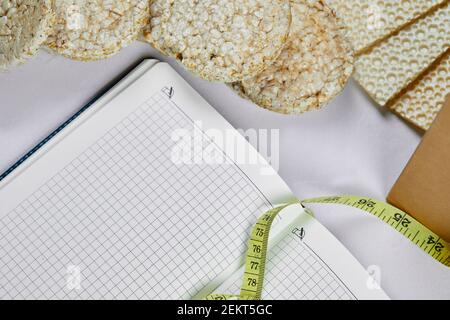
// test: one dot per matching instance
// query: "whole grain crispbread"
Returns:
(370, 21)
(392, 65)
(424, 98)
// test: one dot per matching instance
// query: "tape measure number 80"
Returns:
(255, 261)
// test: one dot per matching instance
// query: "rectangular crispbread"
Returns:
(370, 21)
(392, 65)
(422, 101)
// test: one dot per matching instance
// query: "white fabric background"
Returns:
(350, 147)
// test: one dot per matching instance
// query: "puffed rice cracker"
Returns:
(220, 40)
(96, 29)
(312, 69)
(24, 26)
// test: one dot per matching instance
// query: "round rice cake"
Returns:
(220, 40)
(24, 27)
(96, 29)
(312, 69)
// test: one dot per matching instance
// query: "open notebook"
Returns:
(102, 211)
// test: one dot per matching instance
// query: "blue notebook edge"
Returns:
(72, 118)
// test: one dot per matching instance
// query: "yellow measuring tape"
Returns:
(255, 261)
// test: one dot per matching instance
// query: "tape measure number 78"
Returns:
(255, 261)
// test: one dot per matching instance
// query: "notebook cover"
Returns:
(423, 189)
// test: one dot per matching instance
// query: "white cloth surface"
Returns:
(349, 147)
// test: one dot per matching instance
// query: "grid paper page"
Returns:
(123, 221)
(312, 278)
(294, 271)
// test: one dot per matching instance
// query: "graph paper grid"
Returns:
(122, 221)
(295, 272)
